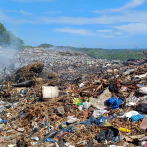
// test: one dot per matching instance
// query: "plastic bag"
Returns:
(132, 100)
(90, 144)
(143, 99)
(108, 135)
(81, 85)
(113, 102)
(80, 107)
(129, 114)
(99, 102)
(72, 120)
(142, 107)
(86, 105)
(143, 90)
(113, 88)
(100, 136)
(100, 121)
(78, 101)
(51, 134)
(98, 113)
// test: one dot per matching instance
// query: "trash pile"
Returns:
(107, 108)
(67, 64)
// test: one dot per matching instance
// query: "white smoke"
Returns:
(6, 55)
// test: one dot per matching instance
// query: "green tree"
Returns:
(9, 39)
(4, 35)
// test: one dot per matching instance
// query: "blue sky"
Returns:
(78, 23)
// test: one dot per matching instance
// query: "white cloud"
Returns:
(82, 32)
(10, 20)
(24, 12)
(33, 0)
(118, 33)
(132, 4)
(128, 17)
(104, 31)
(21, 11)
(53, 12)
(134, 28)
(127, 6)
(125, 17)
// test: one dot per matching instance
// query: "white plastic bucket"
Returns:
(49, 92)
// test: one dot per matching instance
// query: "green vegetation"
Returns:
(45, 45)
(27, 46)
(8, 39)
(115, 54)
(99, 53)
(111, 54)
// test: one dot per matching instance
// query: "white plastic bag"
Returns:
(143, 90)
(80, 107)
(129, 114)
(69, 117)
(132, 100)
(86, 105)
(97, 113)
(99, 102)
(72, 120)
(81, 85)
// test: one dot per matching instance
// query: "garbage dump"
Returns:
(63, 99)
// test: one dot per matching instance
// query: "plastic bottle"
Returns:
(124, 130)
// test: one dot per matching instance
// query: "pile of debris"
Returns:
(104, 109)
(67, 64)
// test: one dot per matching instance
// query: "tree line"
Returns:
(114, 54)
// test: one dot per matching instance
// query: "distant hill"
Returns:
(45, 45)
(100, 53)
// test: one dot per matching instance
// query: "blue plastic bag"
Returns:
(100, 121)
(114, 102)
(93, 121)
